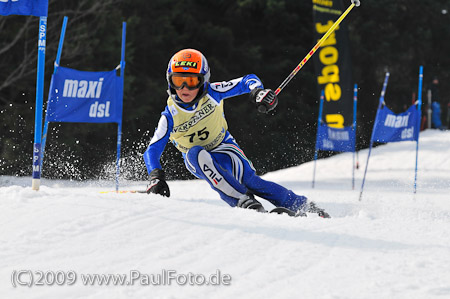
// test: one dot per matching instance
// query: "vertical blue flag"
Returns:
(36, 8)
(335, 139)
(88, 97)
(391, 127)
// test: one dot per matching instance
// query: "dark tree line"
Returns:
(265, 37)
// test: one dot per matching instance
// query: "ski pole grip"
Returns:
(356, 2)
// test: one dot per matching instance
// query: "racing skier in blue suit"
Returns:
(194, 122)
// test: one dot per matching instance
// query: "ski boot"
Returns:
(248, 201)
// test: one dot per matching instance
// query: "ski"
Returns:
(124, 191)
(281, 210)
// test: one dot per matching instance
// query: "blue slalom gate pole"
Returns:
(319, 121)
(383, 91)
(58, 58)
(119, 125)
(419, 106)
(355, 100)
(119, 142)
(36, 176)
(61, 42)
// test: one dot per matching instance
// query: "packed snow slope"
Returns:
(392, 244)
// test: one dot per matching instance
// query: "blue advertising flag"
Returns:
(87, 97)
(335, 139)
(393, 127)
(36, 8)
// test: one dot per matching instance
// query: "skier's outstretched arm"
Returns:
(153, 154)
(265, 99)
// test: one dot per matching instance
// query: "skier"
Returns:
(194, 122)
(437, 113)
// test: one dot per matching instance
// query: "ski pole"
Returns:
(314, 49)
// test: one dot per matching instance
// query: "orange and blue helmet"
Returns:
(188, 68)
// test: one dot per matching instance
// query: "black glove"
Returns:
(158, 183)
(266, 100)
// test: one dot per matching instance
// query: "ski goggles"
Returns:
(191, 81)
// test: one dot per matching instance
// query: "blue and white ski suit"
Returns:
(210, 152)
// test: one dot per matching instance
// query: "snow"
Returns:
(392, 244)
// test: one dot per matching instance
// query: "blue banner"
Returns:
(36, 8)
(87, 97)
(391, 127)
(335, 139)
